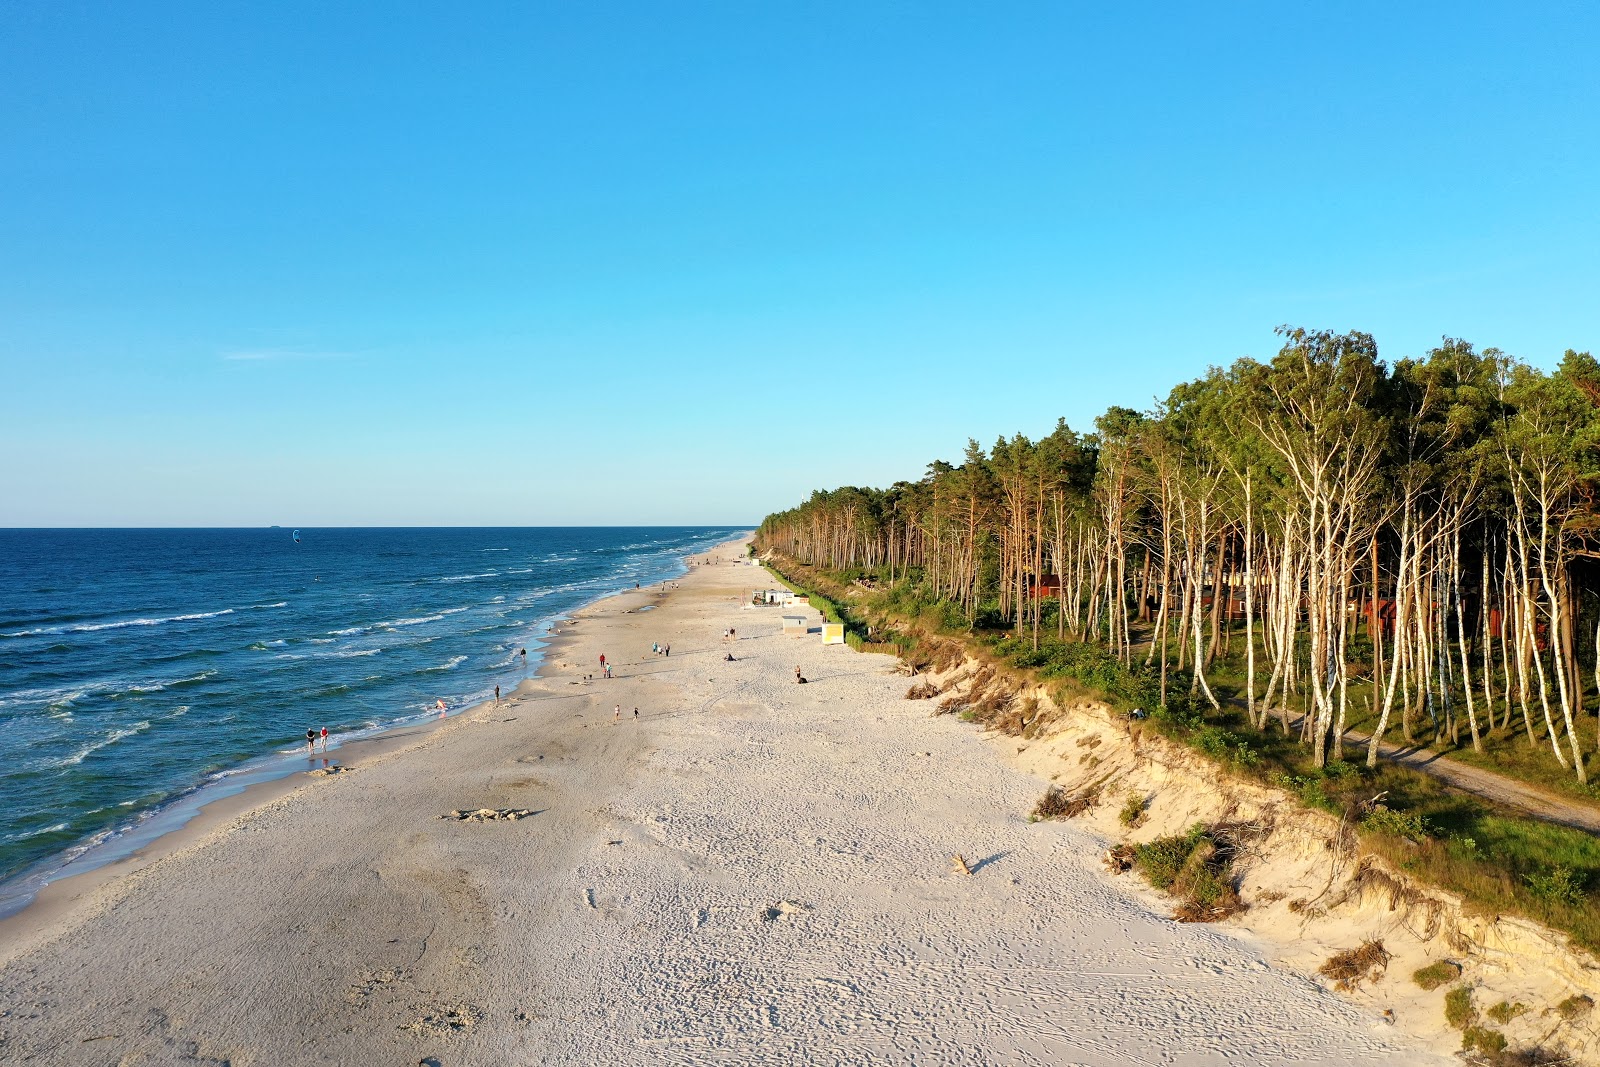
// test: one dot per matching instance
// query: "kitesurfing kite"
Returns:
(297, 537)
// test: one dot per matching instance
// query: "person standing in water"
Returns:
(497, 696)
(311, 742)
(324, 740)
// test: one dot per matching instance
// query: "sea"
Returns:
(145, 672)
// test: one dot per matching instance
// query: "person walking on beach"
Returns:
(616, 716)
(635, 713)
(311, 742)
(524, 659)
(497, 696)
(324, 740)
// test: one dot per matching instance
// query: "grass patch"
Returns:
(1458, 1009)
(1484, 1041)
(1437, 974)
(1574, 1008)
(1505, 1011)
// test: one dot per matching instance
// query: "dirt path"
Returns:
(1492, 786)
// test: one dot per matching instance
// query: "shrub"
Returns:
(1161, 860)
(1458, 1009)
(1437, 974)
(1574, 1007)
(1132, 813)
(1558, 885)
(1505, 1011)
(1406, 824)
(1483, 1040)
(1195, 867)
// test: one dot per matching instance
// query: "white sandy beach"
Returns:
(752, 871)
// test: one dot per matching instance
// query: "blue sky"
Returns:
(679, 263)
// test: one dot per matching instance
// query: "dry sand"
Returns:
(751, 871)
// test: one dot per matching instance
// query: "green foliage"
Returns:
(1160, 861)
(1406, 824)
(1090, 665)
(1132, 813)
(1484, 1041)
(1505, 1011)
(1574, 1007)
(1458, 1009)
(1437, 974)
(1558, 885)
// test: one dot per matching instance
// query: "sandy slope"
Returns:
(753, 871)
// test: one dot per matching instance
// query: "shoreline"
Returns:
(750, 869)
(46, 888)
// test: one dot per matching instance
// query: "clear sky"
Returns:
(614, 263)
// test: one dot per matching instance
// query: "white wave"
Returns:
(279, 604)
(62, 698)
(57, 828)
(494, 550)
(93, 627)
(319, 640)
(470, 577)
(112, 738)
(353, 653)
(347, 631)
(521, 570)
(395, 623)
(455, 661)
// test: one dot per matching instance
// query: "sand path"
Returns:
(753, 871)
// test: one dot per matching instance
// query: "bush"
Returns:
(1197, 868)
(1132, 813)
(1458, 1009)
(1505, 1011)
(1161, 860)
(1406, 824)
(1435, 975)
(1483, 1040)
(1558, 885)
(1574, 1007)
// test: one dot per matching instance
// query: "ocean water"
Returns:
(138, 665)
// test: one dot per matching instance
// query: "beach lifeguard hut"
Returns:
(794, 626)
(833, 633)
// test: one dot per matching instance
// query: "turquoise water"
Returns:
(137, 665)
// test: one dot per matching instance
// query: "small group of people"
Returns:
(660, 649)
(616, 715)
(730, 634)
(311, 740)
